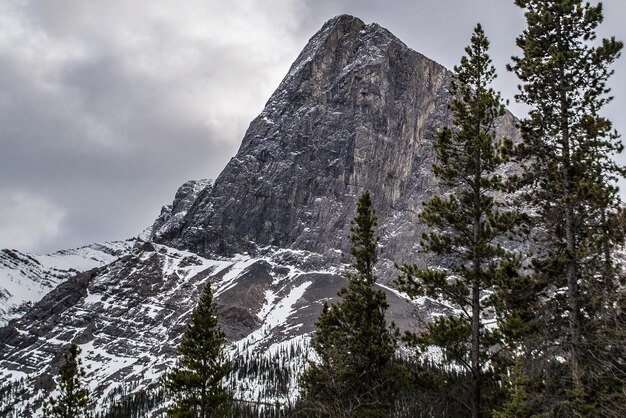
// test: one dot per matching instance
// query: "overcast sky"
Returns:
(106, 107)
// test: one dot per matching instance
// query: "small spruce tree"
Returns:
(196, 383)
(73, 399)
(356, 374)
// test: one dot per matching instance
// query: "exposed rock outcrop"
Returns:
(171, 217)
(356, 111)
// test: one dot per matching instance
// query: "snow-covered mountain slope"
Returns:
(128, 317)
(26, 278)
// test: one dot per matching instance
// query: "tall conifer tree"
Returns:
(196, 383)
(569, 180)
(355, 375)
(73, 399)
(467, 226)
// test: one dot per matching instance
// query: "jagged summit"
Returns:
(357, 110)
(373, 38)
(172, 215)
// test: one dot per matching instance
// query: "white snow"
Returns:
(129, 337)
(278, 313)
(27, 278)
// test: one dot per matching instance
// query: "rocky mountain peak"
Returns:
(343, 43)
(357, 110)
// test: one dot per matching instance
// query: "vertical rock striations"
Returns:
(356, 111)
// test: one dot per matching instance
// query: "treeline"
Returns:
(16, 398)
(130, 403)
(261, 377)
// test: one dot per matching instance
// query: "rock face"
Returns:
(356, 111)
(171, 216)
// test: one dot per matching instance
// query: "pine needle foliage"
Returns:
(196, 384)
(73, 398)
(467, 228)
(569, 180)
(356, 374)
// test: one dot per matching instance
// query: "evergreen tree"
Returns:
(73, 399)
(468, 225)
(569, 181)
(355, 374)
(196, 383)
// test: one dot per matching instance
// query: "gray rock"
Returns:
(171, 217)
(356, 111)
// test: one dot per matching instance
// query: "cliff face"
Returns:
(356, 111)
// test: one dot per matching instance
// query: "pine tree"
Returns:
(355, 374)
(467, 227)
(196, 383)
(73, 399)
(569, 182)
(516, 404)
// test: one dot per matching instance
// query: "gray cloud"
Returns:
(107, 107)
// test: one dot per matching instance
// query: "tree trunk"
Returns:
(476, 372)
(570, 237)
(606, 244)
(203, 401)
(475, 354)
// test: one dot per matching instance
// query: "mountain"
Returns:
(26, 278)
(129, 315)
(357, 110)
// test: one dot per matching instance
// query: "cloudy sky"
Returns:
(106, 107)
